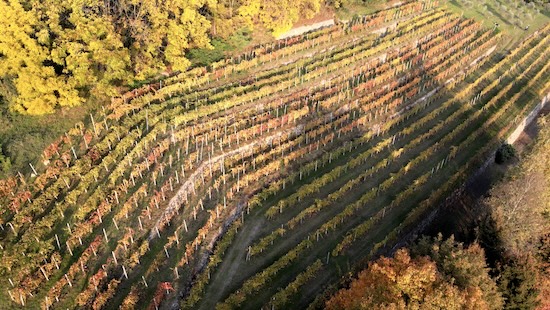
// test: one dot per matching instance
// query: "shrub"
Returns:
(504, 153)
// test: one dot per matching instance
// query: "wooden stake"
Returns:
(44, 273)
(93, 124)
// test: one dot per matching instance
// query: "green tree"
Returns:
(5, 163)
(505, 153)
(518, 283)
(466, 267)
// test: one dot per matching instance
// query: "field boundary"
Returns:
(412, 235)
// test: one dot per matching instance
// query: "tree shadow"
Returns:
(455, 3)
(497, 14)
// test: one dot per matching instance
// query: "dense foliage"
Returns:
(441, 274)
(504, 153)
(518, 227)
(59, 53)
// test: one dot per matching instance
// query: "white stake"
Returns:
(69, 248)
(93, 124)
(33, 170)
(68, 281)
(105, 234)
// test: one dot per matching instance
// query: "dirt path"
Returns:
(529, 133)
(303, 29)
(235, 255)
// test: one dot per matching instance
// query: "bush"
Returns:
(204, 56)
(505, 153)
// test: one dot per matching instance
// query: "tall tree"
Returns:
(280, 15)
(25, 60)
(518, 227)
(402, 282)
(439, 275)
(57, 53)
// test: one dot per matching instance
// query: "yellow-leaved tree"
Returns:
(280, 15)
(57, 53)
(25, 60)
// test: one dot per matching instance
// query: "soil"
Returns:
(528, 135)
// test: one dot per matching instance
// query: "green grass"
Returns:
(512, 16)
(359, 8)
(23, 137)
(221, 48)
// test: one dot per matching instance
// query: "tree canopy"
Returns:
(439, 274)
(519, 220)
(59, 53)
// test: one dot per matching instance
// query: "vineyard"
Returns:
(261, 180)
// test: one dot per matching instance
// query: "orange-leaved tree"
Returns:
(422, 281)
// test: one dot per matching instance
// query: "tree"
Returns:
(403, 282)
(518, 226)
(279, 15)
(520, 204)
(5, 162)
(505, 153)
(466, 267)
(518, 282)
(25, 60)
(58, 53)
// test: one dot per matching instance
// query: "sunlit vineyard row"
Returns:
(259, 181)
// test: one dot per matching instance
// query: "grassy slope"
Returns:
(512, 16)
(23, 137)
